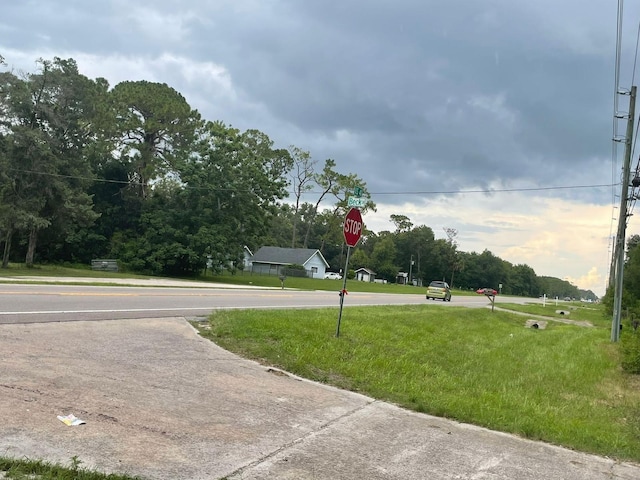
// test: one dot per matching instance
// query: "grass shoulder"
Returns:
(66, 273)
(561, 385)
(62, 271)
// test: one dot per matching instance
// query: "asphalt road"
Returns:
(20, 303)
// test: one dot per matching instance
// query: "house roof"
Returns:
(366, 270)
(286, 256)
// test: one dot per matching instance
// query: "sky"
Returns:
(491, 117)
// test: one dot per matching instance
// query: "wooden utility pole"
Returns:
(619, 251)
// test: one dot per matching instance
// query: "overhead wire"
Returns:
(632, 200)
(403, 192)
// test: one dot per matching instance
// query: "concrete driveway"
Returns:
(163, 403)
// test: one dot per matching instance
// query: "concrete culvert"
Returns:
(537, 324)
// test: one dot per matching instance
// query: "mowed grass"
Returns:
(16, 270)
(24, 469)
(66, 274)
(561, 385)
(303, 283)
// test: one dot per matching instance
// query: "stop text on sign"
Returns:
(352, 226)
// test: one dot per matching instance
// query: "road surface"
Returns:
(55, 303)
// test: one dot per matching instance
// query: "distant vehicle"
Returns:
(487, 291)
(437, 289)
(332, 276)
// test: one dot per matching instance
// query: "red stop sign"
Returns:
(352, 228)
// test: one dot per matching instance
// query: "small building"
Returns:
(365, 275)
(402, 278)
(273, 260)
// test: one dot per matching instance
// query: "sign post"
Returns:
(352, 230)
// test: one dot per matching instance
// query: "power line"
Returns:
(635, 58)
(499, 190)
(632, 200)
(417, 192)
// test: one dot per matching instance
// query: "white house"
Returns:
(272, 260)
(365, 275)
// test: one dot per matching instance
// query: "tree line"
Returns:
(132, 172)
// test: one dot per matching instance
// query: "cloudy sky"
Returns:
(493, 117)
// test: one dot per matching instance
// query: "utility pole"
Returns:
(622, 221)
(410, 270)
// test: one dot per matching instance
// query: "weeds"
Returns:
(25, 469)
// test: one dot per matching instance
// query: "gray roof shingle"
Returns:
(286, 256)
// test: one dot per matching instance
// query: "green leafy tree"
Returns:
(359, 259)
(46, 114)
(329, 183)
(556, 287)
(402, 223)
(524, 282)
(383, 258)
(413, 245)
(229, 187)
(302, 180)
(280, 225)
(154, 130)
(437, 264)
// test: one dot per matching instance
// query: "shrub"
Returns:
(630, 347)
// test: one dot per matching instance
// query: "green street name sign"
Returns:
(356, 202)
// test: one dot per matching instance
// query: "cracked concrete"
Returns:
(162, 403)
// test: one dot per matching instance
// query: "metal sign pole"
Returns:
(343, 292)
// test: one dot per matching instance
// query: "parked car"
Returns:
(438, 289)
(487, 291)
(332, 276)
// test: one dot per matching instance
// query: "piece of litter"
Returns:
(70, 420)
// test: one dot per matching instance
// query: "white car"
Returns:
(332, 276)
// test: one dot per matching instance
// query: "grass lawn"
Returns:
(247, 278)
(562, 385)
(241, 278)
(19, 270)
(38, 470)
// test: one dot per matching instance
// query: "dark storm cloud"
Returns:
(430, 95)
(60, 25)
(455, 95)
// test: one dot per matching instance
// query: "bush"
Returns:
(294, 272)
(630, 347)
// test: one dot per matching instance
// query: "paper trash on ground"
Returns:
(70, 420)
